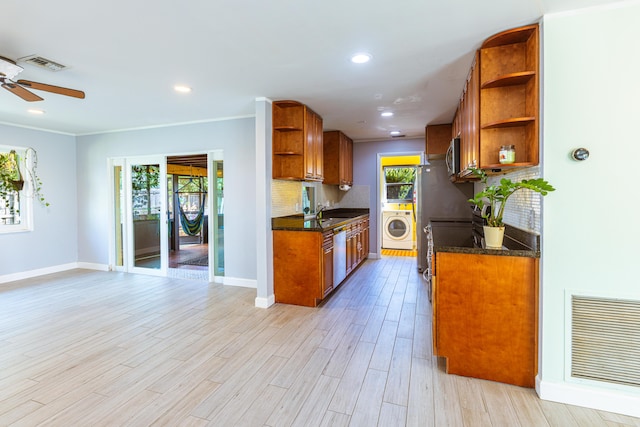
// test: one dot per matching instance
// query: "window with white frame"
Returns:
(16, 211)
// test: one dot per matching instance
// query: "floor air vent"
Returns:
(605, 340)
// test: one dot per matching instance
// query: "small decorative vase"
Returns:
(493, 237)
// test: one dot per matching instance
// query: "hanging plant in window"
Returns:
(11, 180)
(11, 175)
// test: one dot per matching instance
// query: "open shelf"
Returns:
(509, 123)
(509, 166)
(287, 128)
(511, 79)
(297, 142)
(287, 153)
(289, 103)
(516, 35)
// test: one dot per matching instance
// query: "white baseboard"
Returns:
(243, 283)
(265, 302)
(37, 272)
(595, 398)
(374, 255)
(93, 266)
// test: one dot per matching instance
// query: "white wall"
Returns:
(365, 160)
(235, 137)
(590, 231)
(52, 242)
(265, 296)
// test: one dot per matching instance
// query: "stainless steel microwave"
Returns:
(452, 157)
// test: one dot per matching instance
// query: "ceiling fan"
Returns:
(9, 69)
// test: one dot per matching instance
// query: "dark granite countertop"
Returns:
(331, 219)
(457, 237)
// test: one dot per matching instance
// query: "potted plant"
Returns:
(492, 201)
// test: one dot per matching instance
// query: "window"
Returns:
(308, 200)
(15, 188)
(399, 181)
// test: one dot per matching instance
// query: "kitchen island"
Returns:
(313, 256)
(485, 305)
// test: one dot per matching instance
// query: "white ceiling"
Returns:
(127, 55)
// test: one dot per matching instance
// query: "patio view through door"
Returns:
(147, 193)
(146, 186)
(140, 219)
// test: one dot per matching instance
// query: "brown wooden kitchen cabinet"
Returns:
(365, 239)
(470, 141)
(303, 262)
(485, 316)
(509, 97)
(297, 142)
(499, 103)
(338, 158)
(327, 263)
(466, 121)
(437, 138)
(357, 243)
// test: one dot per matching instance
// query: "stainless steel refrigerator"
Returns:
(438, 200)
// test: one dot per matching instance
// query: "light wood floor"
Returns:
(85, 348)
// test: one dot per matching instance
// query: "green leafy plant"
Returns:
(399, 182)
(400, 174)
(496, 196)
(11, 180)
(36, 182)
(10, 176)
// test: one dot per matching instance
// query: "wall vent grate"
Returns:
(41, 62)
(605, 340)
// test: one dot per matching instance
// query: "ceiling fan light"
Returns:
(8, 68)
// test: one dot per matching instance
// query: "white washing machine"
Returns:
(397, 229)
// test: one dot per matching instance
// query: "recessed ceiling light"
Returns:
(182, 88)
(395, 133)
(35, 111)
(386, 114)
(360, 58)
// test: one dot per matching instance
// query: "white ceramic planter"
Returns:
(493, 237)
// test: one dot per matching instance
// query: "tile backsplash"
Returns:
(286, 195)
(523, 207)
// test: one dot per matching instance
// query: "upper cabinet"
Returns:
(338, 158)
(470, 118)
(500, 103)
(437, 139)
(509, 97)
(297, 142)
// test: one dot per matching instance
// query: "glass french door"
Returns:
(146, 215)
(216, 200)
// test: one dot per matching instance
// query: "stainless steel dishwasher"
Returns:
(339, 255)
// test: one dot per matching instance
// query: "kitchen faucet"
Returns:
(320, 210)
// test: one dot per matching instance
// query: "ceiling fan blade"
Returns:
(21, 92)
(53, 89)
